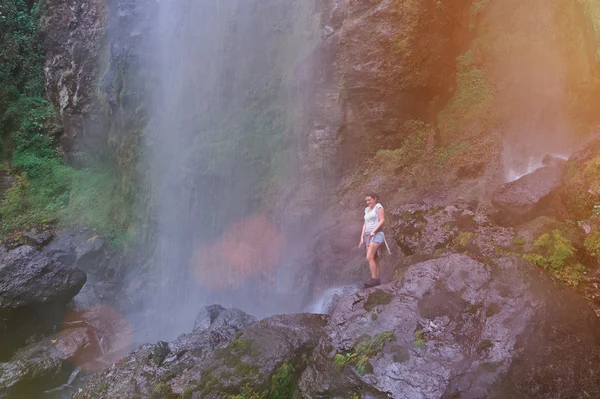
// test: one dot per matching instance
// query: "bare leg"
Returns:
(377, 268)
(371, 258)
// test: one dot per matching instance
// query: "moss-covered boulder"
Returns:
(455, 327)
(228, 354)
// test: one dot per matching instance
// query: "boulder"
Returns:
(437, 230)
(527, 197)
(33, 292)
(232, 355)
(454, 327)
(46, 364)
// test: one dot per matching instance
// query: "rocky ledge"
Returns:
(452, 327)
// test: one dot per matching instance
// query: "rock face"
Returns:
(73, 34)
(527, 197)
(454, 327)
(33, 291)
(213, 361)
(46, 364)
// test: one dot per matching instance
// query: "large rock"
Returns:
(437, 230)
(33, 292)
(46, 364)
(454, 327)
(215, 361)
(527, 197)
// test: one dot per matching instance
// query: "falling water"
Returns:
(224, 118)
(530, 71)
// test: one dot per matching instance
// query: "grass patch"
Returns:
(556, 254)
(362, 351)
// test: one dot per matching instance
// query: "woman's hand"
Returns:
(371, 234)
(362, 241)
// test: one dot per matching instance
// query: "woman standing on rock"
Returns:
(372, 236)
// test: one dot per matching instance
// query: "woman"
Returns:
(372, 236)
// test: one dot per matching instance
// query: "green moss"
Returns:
(472, 96)
(362, 350)
(377, 297)
(556, 254)
(463, 239)
(518, 241)
(419, 338)
(243, 369)
(101, 388)
(592, 243)
(163, 391)
(283, 382)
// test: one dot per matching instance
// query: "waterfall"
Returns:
(226, 114)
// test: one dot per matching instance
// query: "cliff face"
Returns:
(74, 32)
(417, 100)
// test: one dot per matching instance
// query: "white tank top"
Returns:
(371, 218)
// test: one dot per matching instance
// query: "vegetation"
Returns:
(556, 254)
(377, 297)
(472, 96)
(362, 351)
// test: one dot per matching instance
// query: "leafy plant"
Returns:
(362, 351)
(556, 254)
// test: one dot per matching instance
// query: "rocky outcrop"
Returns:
(34, 290)
(214, 361)
(527, 197)
(451, 326)
(47, 363)
(437, 230)
(454, 326)
(73, 34)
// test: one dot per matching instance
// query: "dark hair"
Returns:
(372, 195)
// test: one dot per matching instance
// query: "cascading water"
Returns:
(531, 74)
(221, 134)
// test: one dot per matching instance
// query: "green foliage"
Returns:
(248, 392)
(518, 241)
(101, 388)
(444, 153)
(419, 338)
(362, 351)
(472, 96)
(556, 254)
(592, 243)
(283, 383)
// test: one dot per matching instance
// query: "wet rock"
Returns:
(207, 317)
(437, 230)
(454, 327)
(33, 292)
(233, 351)
(45, 364)
(527, 197)
(38, 239)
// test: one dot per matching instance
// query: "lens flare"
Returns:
(248, 248)
(109, 334)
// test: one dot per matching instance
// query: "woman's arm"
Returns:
(362, 235)
(381, 216)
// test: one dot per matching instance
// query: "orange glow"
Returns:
(248, 248)
(109, 334)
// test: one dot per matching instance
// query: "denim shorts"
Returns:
(377, 238)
